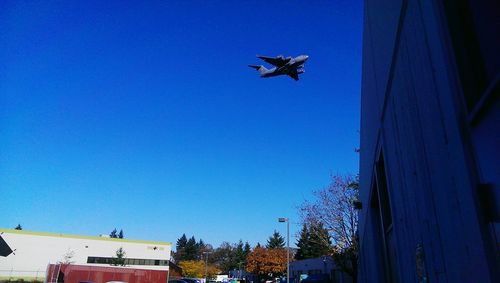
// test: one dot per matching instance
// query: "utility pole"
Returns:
(287, 247)
(206, 265)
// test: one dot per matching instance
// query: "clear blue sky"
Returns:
(143, 115)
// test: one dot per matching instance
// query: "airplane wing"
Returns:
(276, 61)
(294, 75)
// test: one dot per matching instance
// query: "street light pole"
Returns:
(287, 247)
(206, 265)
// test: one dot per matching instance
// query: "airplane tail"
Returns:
(259, 68)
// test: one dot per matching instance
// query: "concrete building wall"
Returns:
(33, 251)
(426, 165)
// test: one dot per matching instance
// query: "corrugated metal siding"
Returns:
(430, 180)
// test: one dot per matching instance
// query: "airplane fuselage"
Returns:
(296, 63)
(289, 66)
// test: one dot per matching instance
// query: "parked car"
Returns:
(317, 278)
(191, 280)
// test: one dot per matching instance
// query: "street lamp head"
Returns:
(282, 219)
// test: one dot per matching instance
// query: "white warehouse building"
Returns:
(34, 251)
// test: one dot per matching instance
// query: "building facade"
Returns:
(34, 251)
(241, 275)
(430, 142)
(319, 268)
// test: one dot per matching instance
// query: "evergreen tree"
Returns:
(320, 242)
(120, 257)
(180, 248)
(113, 234)
(191, 249)
(303, 244)
(314, 242)
(181, 242)
(120, 235)
(239, 254)
(276, 241)
(19, 227)
(200, 247)
(247, 250)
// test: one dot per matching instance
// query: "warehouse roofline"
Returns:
(96, 238)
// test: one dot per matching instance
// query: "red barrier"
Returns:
(70, 273)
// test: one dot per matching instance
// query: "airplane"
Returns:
(283, 66)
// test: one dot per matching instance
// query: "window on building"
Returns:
(474, 28)
(382, 223)
(128, 261)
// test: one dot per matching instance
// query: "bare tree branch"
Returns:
(332, 207)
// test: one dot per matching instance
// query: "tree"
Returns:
(119, 260)
(120, 235)
(196, 269)
(314, 241)
(246, 251)
(320, 243)
(303, 244)
(67, 257)
(113, 234)
(191, 250)
(268, 263)
(201, 245)
(276, 241)
(224, 257)
(201, 248)
(239, 254)
(19, 227)
(180, 248)
(193, 268)
(333, 209)
(182, 241)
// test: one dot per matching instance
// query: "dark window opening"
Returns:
(382, 222)
(385, 206)
(128, 261)
(474, 29)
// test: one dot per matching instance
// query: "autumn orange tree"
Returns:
(268, 263)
